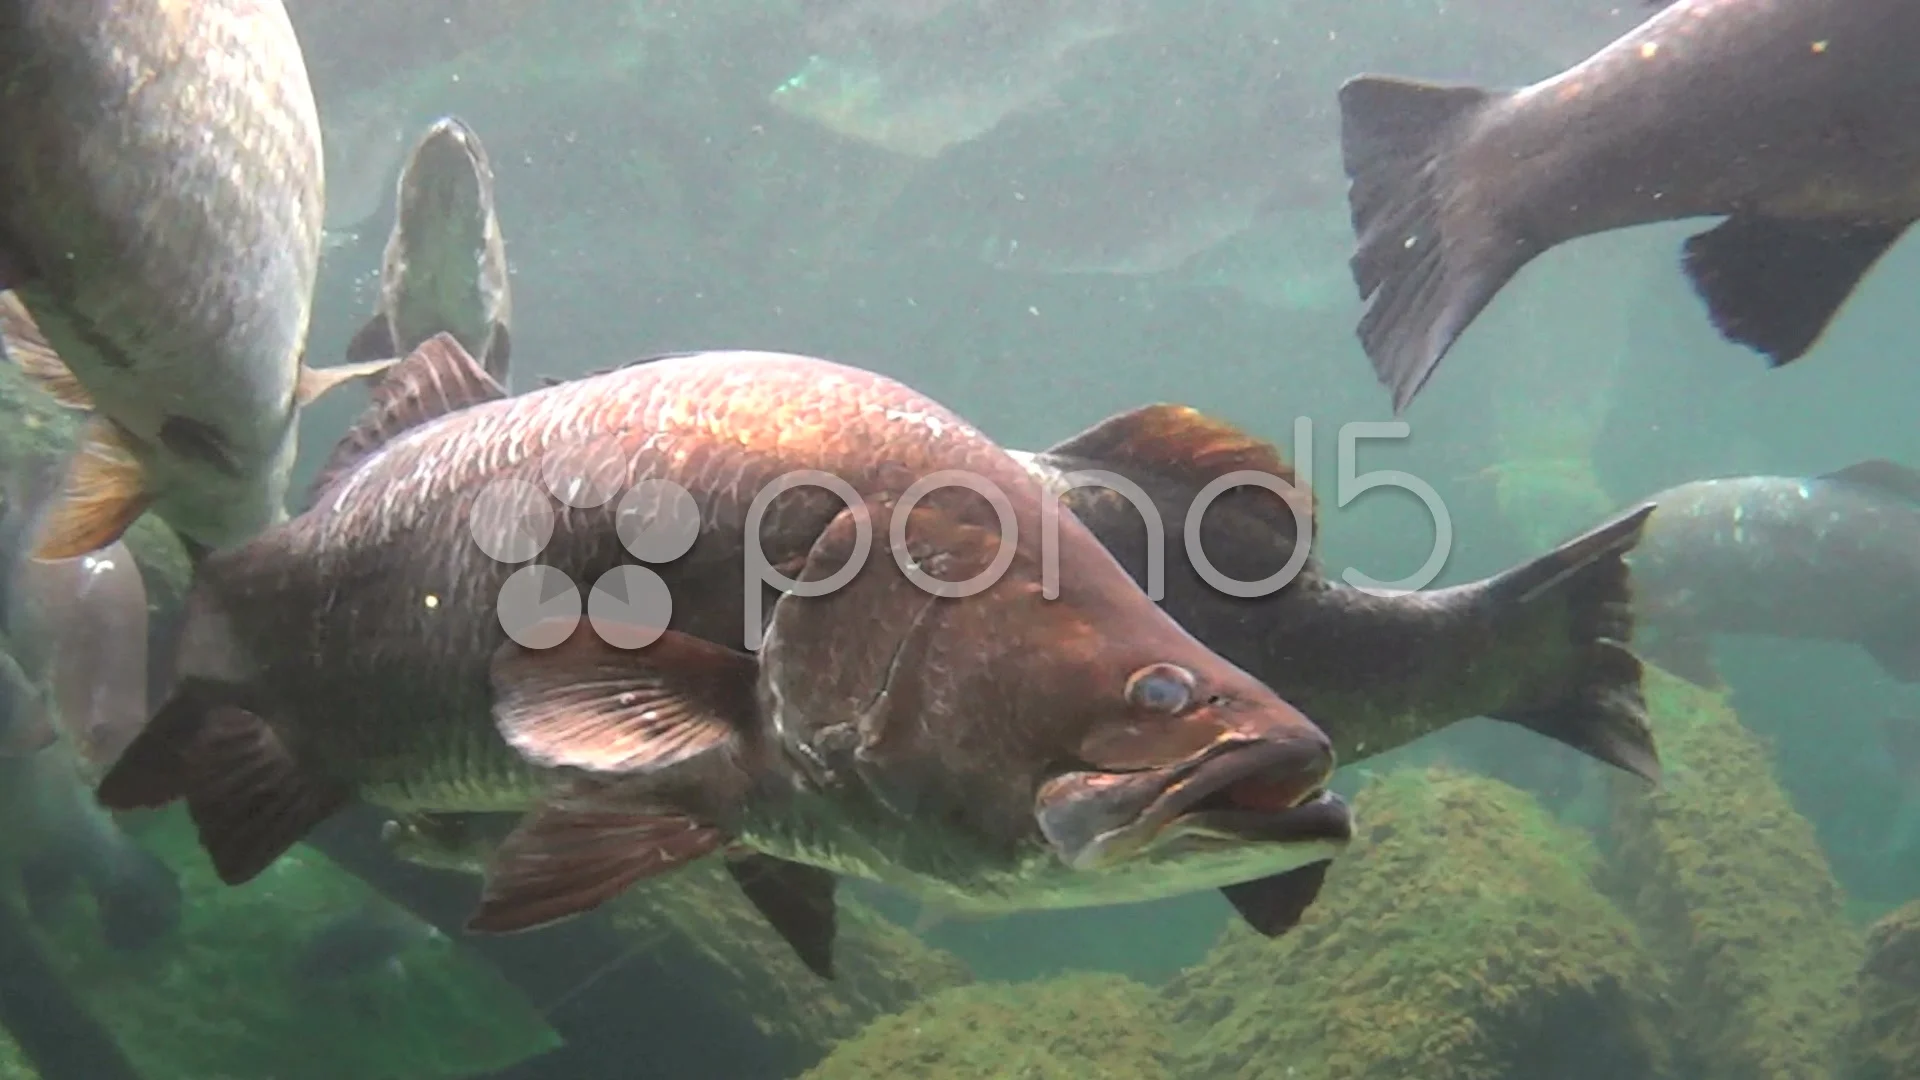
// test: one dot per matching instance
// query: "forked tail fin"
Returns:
(1573, 608)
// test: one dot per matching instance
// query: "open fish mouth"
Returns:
(1239, 793)
(1261, 792)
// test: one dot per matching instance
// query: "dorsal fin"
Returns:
(437, 379)
(1182, 443)
(1889, 477)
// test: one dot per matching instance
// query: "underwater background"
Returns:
(1041, 214)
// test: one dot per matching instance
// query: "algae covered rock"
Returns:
(1076, 1027)
(225, 997)
(1461, 938)
(1729, 887)
(1886, 1044)
(878, 966)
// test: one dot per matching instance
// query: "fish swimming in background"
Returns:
(1827, 558)
(1010, 751)
(445, 268)
(75, 640)
(1794, 118)
(162, 164)
(1542, 645)
(366, 939)
(919, 78)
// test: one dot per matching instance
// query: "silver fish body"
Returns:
(163, 226)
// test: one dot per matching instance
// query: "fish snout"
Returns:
(1240, 790)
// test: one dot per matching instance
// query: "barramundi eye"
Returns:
(1166, 688)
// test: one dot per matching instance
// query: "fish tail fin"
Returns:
(1775, 285)
(1428, 257)
(1572, 608)
(248, 795)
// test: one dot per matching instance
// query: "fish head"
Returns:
(209, 492)
(445, 267)
(447, 176)
(1087, 723)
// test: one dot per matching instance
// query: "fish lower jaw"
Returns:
(1043, 883)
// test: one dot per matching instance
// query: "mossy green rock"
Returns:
(1886, 1045)
(878, 966)
(1729, 887)
(1460, 938)
(1077, 1027)
(223, 998)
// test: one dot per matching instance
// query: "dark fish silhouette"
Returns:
(1543, 645)
(445, 267)
(1794, 118)
(1828, 558)
(1008, 749)
(175, 304)
(75, 646)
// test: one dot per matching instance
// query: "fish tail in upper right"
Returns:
(1429, 257)
(250, 794)
(1569, 612)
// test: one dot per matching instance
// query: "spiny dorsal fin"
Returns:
(437, 379)
(1181, 443)
(21, 339)
(1882, 475)
(105, 494)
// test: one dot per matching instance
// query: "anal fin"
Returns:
(1774, 285)
(797, 900)
(565, 861)
(105, 494)
(1275, 904)
(28, 348)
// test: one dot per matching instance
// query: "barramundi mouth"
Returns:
(1237, 793)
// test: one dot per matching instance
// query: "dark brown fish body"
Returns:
(445, 266)
(1791, 116)
(361, 649)
(1542, 645)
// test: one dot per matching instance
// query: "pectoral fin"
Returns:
(105, 494)
(499, 352)
(316, 382)
(586, 704)
(30, 351)
(797, 900)
(373, 342)
(1274, 905)
(565, 861)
